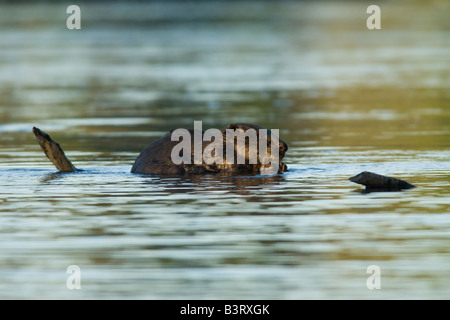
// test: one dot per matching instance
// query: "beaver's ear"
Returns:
(233, 126)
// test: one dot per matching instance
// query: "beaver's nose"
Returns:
(283, 147)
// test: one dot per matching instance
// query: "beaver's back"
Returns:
(156, 158)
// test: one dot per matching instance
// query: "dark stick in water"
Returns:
(376, 181)
(53, 151)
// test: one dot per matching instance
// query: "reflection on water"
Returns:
(345, 99)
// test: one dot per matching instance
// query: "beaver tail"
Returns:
(53, 151)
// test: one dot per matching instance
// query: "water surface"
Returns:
(345, 99)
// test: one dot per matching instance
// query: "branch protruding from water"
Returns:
(53, 151)
(374, 181)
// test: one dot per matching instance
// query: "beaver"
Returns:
(158, 157)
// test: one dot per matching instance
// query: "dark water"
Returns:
(345, 99)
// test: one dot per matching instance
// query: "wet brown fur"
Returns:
(156, 158)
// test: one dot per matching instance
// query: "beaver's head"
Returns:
(255, 149)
